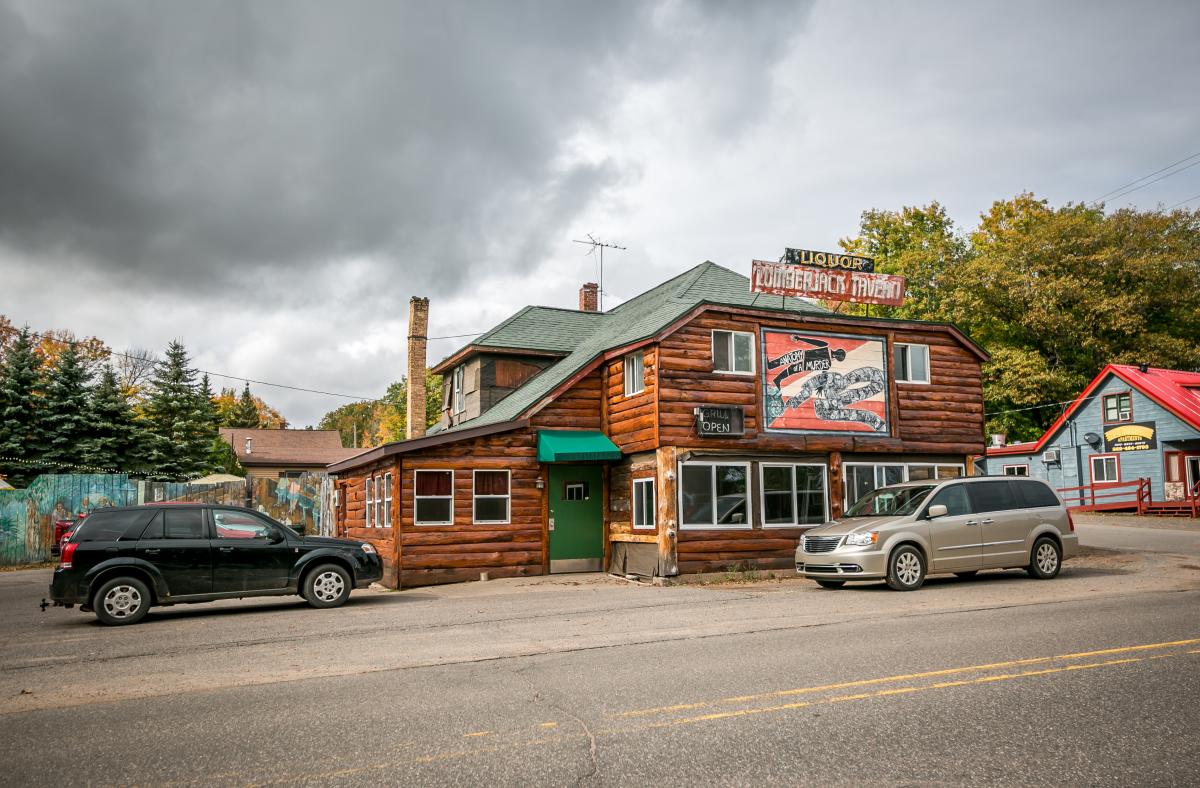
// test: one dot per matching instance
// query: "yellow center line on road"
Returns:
(721, 715)
(903, 677)
(557, 737)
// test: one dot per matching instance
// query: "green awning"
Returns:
(575, 446)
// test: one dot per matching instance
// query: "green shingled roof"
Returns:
(586, 335)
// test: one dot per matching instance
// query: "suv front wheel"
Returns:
(906, 569)
(327, 586)
(122, 600)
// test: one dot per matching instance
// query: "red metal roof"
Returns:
(1172, 389)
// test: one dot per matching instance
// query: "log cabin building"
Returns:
(696, 427)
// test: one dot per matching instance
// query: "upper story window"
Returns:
(1118, 407)
(911, 363)
(733, 351)
(635, 373)
(458, 397)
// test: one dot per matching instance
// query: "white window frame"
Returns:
(1103, 457)
(962, 472)
(635, 382)
(745, 526)
(458, 400)
(732, 355)
(908, 346)
(369, 487)
(387, 500)
(433, 497)
(379, 502)
(762, 492)
(507, 498)
(647, 481)
(1025, 467)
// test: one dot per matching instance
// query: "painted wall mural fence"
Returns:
(27, 515)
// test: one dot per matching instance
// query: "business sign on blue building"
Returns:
(1134, 436)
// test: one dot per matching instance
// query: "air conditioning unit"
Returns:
(1051, 457)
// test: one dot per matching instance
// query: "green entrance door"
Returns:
(576, 518)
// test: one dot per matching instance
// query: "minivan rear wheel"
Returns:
(906, 569)
(1045, 560)
(120, 601)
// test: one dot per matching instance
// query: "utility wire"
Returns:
(1039, 407)
(1144, 177)
(157, 360)
(1181, 202)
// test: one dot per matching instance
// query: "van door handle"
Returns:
(971, 522)
(152, 551)
(986, 522)
(225, 549)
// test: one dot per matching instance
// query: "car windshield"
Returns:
(890, 500)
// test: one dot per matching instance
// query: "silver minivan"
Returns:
(902, 533)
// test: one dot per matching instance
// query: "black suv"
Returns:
(121, 561)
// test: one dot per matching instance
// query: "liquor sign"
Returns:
(814, 382)
(720, 420)
(1134, 436)
(806, 281)
(845, 262)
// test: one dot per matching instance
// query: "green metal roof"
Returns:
(586, 335)
(575, 446)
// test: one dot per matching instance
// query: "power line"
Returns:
(1144, 177)
(1039, 407)
(157, 360)
(1181, 202)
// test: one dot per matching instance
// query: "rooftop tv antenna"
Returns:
(593, 242)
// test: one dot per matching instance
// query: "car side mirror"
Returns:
(937, 510)
(274, 537)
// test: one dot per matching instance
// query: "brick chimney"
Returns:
(418, 328)
(589, 297)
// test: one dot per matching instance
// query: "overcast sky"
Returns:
(271, 182)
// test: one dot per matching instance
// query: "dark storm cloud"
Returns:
(194, 145)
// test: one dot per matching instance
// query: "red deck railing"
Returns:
(1132, 495)
(1108, 496)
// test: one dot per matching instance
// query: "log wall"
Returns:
(943, 417)
(577, 408)
(430, 554)
(632, 422)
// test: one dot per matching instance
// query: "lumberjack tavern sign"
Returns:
(720, 420)
(845, 262)
(809, 281)
(1134, 436)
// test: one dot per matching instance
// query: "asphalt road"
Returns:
(1093, 678)
(1153, 534)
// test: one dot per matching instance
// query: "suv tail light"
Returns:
(68, 551)
(1070, 521)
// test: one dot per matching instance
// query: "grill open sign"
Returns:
(720, 420)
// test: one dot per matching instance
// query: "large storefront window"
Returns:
(862, 477)
(715, 495)
(793, 495)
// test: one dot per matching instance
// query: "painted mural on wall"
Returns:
(27, 515)
(816, 382)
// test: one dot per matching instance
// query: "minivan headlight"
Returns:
(862, 540)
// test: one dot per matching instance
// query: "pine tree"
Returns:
(245, 416)
(181, 434)
(117, 438)
(22, 436)
(65, 419)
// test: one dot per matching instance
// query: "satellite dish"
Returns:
(1092, 438)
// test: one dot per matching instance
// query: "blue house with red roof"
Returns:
(1131, 423)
